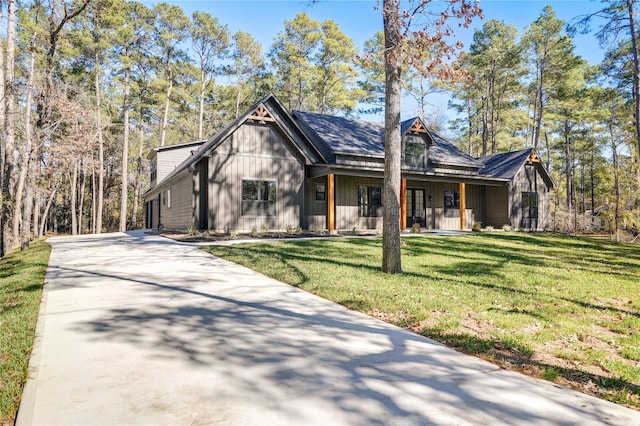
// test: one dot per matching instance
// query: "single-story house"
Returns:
(277, 169)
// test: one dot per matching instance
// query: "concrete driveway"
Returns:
(137, 329)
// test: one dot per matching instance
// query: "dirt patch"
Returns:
(576, 361)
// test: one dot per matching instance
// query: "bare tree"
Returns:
(407, 36)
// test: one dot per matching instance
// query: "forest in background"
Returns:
(90, 86)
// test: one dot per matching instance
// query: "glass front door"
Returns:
(416, 207)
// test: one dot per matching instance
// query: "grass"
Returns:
(562, 308)
(21, 279)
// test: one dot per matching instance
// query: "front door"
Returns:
(416, 207)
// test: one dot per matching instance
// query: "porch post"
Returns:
(403, 204)
(331, 207)
(463, 207)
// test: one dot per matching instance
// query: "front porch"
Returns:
(345, 202)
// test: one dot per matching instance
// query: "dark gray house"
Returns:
(278, 168)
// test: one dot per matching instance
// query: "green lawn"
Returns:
(562, 308)
(21, 279)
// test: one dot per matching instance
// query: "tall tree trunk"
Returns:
(137, 192)
(636, 69)
(36, 210)
(238, 92)
(567, 165)
(485, 126)
(93, 198)
(28, 168)
(100, 202)
(491, 100)
(47, 207)
(201, 106)
(9, 181)
(593, 184)
(125, 153)
(83, 177)
(616, 180)
(391, 255)
(4, 197)
(538, 108)
(165, 116)
(10, 123)
(74, 195)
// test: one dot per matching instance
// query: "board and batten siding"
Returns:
(529, 179)
(315, 210)
(179, 214)
(496, 206)
(254, 152)
(434, 203)
(346, 192)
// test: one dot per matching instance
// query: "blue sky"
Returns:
(263, 19)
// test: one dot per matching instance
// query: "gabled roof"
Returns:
(356, 137)
(508, 164)
(157, 149)
(346, 136)
(267, 109)
(444, 152)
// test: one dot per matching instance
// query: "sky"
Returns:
(359, 19)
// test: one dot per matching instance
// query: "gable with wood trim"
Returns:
(276, 169)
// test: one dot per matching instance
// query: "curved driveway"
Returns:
(138, 329)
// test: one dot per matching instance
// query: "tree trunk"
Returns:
(83, 176)
(201, 107)
(74, 194)
(567, 165)
(100, 202)
(485, 126)
(28, 168)
(538, 107)
(636, 70)
(616, 180)
(593, 184)
(138, 183)
(4, 199)
(10, 123)
(9, 181)
(47, 207)
(391, 255)
(93, 198)
(125, 153)
(165, 116)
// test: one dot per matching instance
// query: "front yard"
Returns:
(565, 309)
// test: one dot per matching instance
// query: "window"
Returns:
(414, 154)
(451, 203)
(321, 192)
(166, 198)
(369, 201)
(529, 205)
(258, 198)
(153, 168)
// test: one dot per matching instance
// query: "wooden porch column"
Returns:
(403, 204)
(463, 207)
(331, 204)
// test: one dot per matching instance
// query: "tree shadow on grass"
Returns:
(515, 357)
